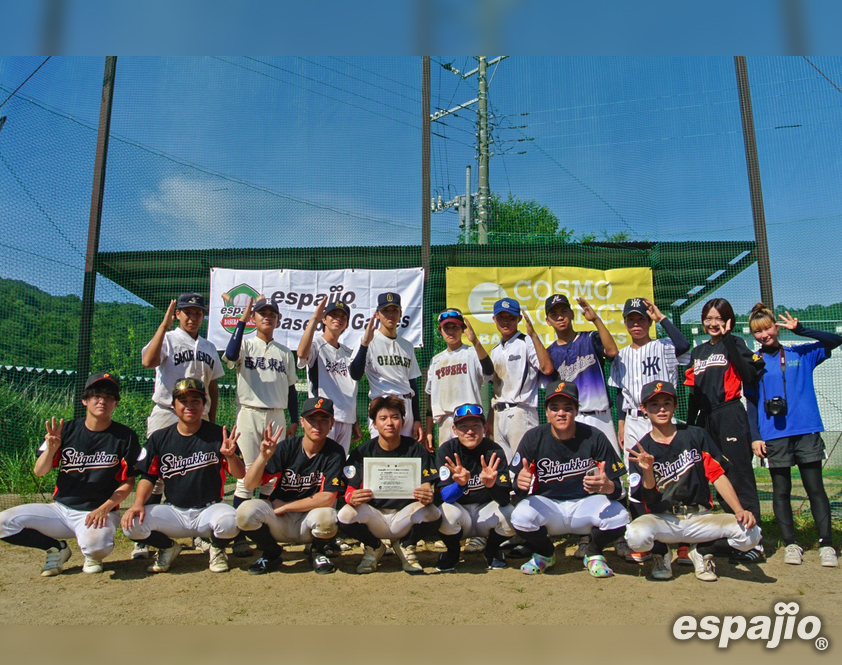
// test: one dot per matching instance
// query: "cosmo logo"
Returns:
(772, 630)
(482, 298)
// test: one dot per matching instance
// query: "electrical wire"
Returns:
(25, 80)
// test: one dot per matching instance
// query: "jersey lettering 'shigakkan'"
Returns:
(475, 490)
(300, 476)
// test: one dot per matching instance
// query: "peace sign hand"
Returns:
(787, 321)
(269, 443)
(53, 438)
(644, 461)
(587, 311)
(488, 475)
(460, 474)
(229, 442)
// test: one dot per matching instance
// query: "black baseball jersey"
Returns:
(684, 469)
(192, 468)
(300, 476)
(408, 447)
(475, 491)
(91, 465)
(560, 466)
(718, 370)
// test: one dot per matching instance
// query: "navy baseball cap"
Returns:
(265, 303)
(566, 389)
(102, 377)
(635, 305)
(656, 388)
(316, 405)
(341, 306)
(468, 411)
(556, 300)
(186, 300)
(388, 298)
(509, 305)
(183, 386)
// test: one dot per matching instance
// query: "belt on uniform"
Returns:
(502, 406)
(681, 509)
(208, 504)
(589, 413)
(637, 413)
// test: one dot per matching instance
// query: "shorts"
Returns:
(792, 450)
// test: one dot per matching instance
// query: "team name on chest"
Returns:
(714, 360)
(555, 470)
(397, 361)
(259, 362)
(74, 460)
(176, 465)
(666, 472)
(339, 367)
(452, 370)
(570, 372)
(296, 482)
(188, 355)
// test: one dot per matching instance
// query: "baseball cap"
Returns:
(567, 389)
(317, 405)
(183, 386)
(264, 303)
(341, 306)
(186, 300)
(468, 411)
(656, 388)
(635, 305)
(102, 377)
(556, 300)
(452, 314)
(388, 298)
(509, 305)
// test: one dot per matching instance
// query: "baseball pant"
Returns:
(408, 420)
(701, 527)
(577, 516)
(389, 524)
(602, 421)
(219, 520)
(341, 433)
(728, 426)
(446, 430)
(55, 520)
(635, 429)
(476, 519)
(250, 425)
(511, 424)
(319, 523)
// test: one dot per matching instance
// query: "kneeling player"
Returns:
(95, 457)
(301, 507)
(192, 457)
(402, 521)
(572, 477)
(475, 495)
(671, 468)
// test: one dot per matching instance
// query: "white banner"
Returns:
(296, 292)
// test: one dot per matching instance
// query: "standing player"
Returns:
(328, 364)
(403, 521)
(308, 469)
(179, 354)
(265, 389)
(193, 458)
(455, 375)
(474, 490)
(671, 468)
(389, 362)
(570, 475)
(95, 457)
(519, 361)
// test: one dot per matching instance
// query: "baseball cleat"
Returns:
(371, 557)
(218, 559)
(164, 558)
(335, 547)
(446, 563)
(408, 558)
(597, 566)
(241, 548)
(321, 564)
(682, 558)
(537, 564)
(661, 567)
(582, 549)
(703, 564)
(141, 551)
(828, 557)
(56, 558)
(495, 561)
(520, 552)
(792, 555)
(475, 545)
(264, 565)
(756, 555)
(91, 566)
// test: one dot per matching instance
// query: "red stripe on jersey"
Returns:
(689, 377)
(322, 484)
(732, 384)
(266, 477)
(154, 465)
(57, 458)
(348, 493)
(122, 472)
(713, 469)
(223, 473)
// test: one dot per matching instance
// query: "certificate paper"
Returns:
(391, 478)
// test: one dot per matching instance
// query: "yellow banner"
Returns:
(475, 290)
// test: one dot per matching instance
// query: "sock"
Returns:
(538, 541)
(360, 532)
(452, 543)
(237, 501)
(319, 545)
(599, 539)
(32, 538)
(222, 543)
(493, 544)
(158, 539)
(264, 539)
(660, 548)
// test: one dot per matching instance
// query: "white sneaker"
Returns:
(792, 555)
(408, 557)
(218, 559)
(371, 557)
(828, 557)
(91, 566)
(704, 566)
(661, 567)
(164, 558)
(201, 544)
(475, 545)
(141, 551)
(56, 558)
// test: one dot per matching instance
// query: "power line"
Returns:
(826, 77)
(25, 80)
(348, 62)
(414, 100)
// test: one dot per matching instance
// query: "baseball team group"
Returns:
(495, 485)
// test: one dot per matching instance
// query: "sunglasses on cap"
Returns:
(468, 410)
(451, 314)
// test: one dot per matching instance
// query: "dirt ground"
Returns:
(566, 595)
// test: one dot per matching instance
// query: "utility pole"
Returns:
(425, 164)
(482, 151)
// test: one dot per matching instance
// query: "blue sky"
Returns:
(297, 151)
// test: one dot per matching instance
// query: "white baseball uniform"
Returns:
(329, 374)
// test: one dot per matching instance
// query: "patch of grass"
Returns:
(523, 605)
